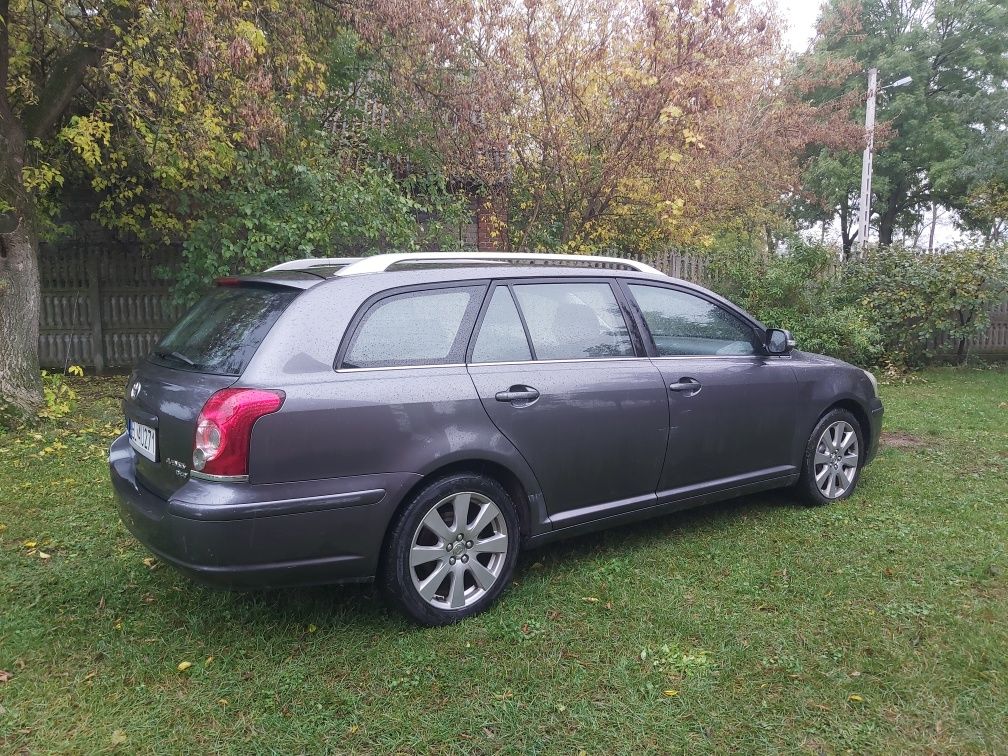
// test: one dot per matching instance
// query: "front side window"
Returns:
(683, 324)
(501, 335)
(415, 328)
(574, 321)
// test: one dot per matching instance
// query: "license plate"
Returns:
(143, 438)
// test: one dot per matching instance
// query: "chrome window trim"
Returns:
(487, 364)
(579, 360)
(400, 367)
(709, 357)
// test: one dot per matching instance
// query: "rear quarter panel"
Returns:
(357, 422)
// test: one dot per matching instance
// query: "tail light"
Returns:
(224, 429)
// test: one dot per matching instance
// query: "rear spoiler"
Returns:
(285, 278)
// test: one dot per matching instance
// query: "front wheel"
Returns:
(833, 459)
(453, 549)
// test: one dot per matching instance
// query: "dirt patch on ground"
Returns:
(899, 440)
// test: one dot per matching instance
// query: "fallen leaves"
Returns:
(184, 665)
(5, 676)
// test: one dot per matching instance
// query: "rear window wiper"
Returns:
(165, 354)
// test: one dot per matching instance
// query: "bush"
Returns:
(928, 304)
(796, 289)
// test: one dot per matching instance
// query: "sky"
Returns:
(801, 17)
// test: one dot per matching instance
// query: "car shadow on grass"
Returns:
(360, 607)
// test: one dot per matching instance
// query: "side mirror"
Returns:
(779, 341)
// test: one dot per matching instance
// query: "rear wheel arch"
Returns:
(506, 477)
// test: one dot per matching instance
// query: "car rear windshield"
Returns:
(222, 331)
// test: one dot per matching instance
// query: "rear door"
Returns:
(732, 416)
(206, 351)
(558, 373)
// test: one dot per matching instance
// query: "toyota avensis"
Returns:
(420, 418)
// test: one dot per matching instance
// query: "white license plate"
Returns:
(143, 438)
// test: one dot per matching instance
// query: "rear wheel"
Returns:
(833, 459)
(453, 549)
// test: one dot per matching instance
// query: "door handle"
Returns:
(519, 396)
(689, 386)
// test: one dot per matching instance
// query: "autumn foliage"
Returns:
(623, 125)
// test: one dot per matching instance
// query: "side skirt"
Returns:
(668, 506)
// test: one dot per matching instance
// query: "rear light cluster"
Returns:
(224, 429)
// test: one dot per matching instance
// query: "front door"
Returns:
(557, 373)
(732, 417)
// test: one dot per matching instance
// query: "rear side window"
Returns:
(223, 330)
(415, 328)
(501, 336)
(574, 321)
(684, 324)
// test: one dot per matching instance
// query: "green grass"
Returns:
(878, 624)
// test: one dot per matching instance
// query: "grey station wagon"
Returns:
(419, 418)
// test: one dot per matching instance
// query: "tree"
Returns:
(149, 103)
(935, 130)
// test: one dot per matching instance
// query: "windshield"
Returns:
(222, 331)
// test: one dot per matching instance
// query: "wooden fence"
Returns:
(104, 306)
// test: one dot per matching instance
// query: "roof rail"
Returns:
(381, 263)
(306, 263)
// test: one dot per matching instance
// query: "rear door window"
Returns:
(574, 321)
(222, 331)
(683, 324)
(501, 335)
(429, 327)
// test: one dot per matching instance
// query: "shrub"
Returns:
(796, 289)
(58, 396)
(928, 304)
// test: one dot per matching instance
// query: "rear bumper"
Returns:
(246, 535)
(876, 410)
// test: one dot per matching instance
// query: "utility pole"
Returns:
(864, 206)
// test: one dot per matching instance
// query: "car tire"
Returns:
(434, 575)
(834, 456)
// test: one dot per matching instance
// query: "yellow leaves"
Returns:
(670, 693)
(40, 178)
(29, 544)
(184, 665)
(150, 563)
(223, 702)
(312, 628)
(118, 738)
(855, 698)
(252, 34)
(76, 370)
(87, 135)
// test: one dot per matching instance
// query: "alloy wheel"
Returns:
(458, 550)
(836, 459)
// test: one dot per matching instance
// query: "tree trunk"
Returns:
(20, 382)
(887, 221)
(846, 239)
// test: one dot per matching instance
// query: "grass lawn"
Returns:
(878, 624)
